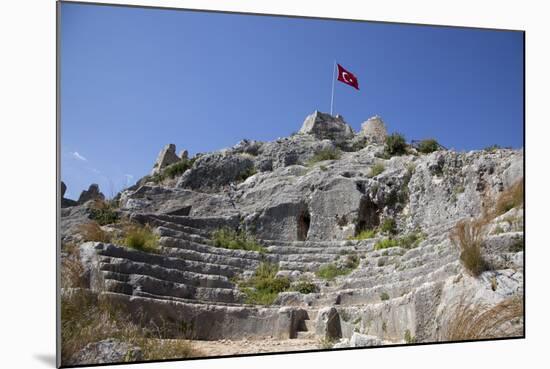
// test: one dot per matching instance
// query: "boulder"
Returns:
(211, 172)
(107, 351)
(166, 157)
(92, 193)
(374, 130)
(325, 126)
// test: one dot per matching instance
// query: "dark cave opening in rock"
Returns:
(304, 220)
(368, 215)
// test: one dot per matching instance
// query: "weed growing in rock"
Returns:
(384, 296)
(305, 287)
(510, 198)
(141, 238)
(376, 169)
(92, 231)
(467, 235)
(364, 235)
(231, 239)
(331, 271)
(388, 226)
(386, 243)
(395, 145)
(474, 321)
(408, 337)
(427, 146)
(411, 240)
(325, 154)
(326, 343)
(517, 245)
(177, 169)
(104, 212)
(263, 287)
(248, 172)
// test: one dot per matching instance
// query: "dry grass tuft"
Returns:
(86, 319)
(72, 271)
(92, 231)
(478, 321)
(510, 198)
(468, 236)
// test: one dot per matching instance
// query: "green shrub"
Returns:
(141, 238)
(177, 169)
(376, 169)
(231, 239)
(364, 235)
(305, 287)
(395, 144)
(104, 212)
(517, 245)
(249, 172)
(331, 271)
(428, 146)
(263, 287)
(411, 240)
(389, 226)
(384, 296)
(325, 154)
(386, 243)
(492, 148)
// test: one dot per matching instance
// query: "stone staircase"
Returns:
(192, 278)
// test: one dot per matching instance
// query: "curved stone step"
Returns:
(127, 266)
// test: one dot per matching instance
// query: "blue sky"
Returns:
(133, 80)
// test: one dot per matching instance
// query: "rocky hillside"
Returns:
(336, 237)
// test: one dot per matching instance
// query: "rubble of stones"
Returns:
(307, 213)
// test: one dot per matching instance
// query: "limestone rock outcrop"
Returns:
(166, 157)
(92, 193)
(403, 282)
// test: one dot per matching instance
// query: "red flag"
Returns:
(347, 77)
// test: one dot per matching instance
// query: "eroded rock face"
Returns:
(93, 193)
(306, 214)
(166, 157)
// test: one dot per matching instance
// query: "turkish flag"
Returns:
(347, 77)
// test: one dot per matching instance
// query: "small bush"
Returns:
(411, 240)
(351, 262)
(104, 212)
(389, 226)
(305, 287)
(326, 343)
(517, 245)
(510, 198)
(141, 238)
(331, 271)
(231, 239)
(467, 235)
(395, 144)
(386, 243)
(325, 154)
(428, 146)
(364, 235)
(249, 172)
(376, 169)
(263, 287)
(91, 231)
(177, 169)
(384, 296)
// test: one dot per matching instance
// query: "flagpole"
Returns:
(333, 78)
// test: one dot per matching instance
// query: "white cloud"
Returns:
(77, 156)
